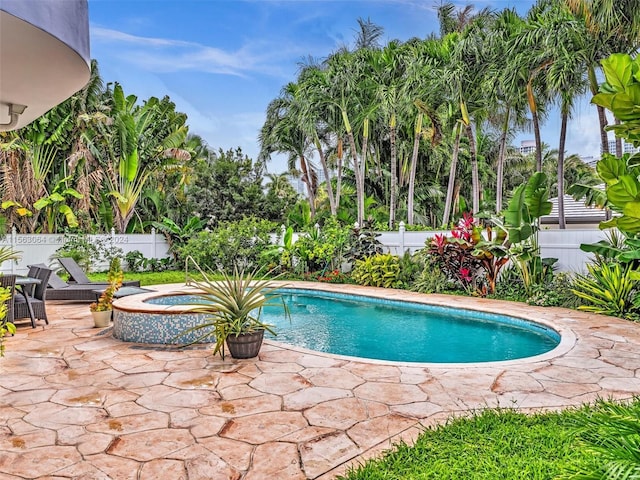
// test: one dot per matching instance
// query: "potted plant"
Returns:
(233, 307)
(102, 310)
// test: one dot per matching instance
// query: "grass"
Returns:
(150, 278)
(493, 444)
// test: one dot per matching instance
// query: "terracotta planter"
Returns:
(245, 345)
(101, 319)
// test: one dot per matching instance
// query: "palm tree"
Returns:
(283, 133)
(504, 91)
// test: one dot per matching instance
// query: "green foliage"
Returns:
(135, 260)
(79, 247)
(362, 243)
(431, 279)
(411, 267)
(321, 248)
(55, 205)
(230, 243)
(609, 289)
(114, 278)
(226, 187)
(379, 270)
(492, 444)
(177, 236)
(6, 327)
(554, 292)
(609, 435)
(148, 278)
(510, 286)
(521, 222)
(233, 306)
(622, 188)
(621, 95)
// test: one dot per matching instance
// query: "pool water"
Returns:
(399, 331)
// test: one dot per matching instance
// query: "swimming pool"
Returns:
(382, 329)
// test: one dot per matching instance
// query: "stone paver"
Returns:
(76, 403)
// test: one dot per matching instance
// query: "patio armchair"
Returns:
(37, 298)
(8, 281)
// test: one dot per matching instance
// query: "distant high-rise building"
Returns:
(626, 147)
(527, 147)
(590, 161)
(299, 186)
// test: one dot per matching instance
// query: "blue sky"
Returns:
(223, 61)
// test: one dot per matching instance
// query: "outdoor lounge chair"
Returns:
(77, 275)
(61, 290)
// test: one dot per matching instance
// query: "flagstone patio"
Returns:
(76, 403)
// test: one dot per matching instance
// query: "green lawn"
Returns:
(146, 278)
(492, 445)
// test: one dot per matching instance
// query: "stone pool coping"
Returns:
(77, 403)
(137, 304)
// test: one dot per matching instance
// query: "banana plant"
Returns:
(56, 203)
(521, 221)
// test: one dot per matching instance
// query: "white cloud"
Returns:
(583, 131)
(167, 55)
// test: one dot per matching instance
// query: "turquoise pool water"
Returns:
(399, 331)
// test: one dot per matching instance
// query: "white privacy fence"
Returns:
(39, 248)
(561, 244)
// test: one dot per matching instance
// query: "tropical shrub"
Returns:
(411, 266)
(379, 270)
(135, 261)
(609, 289)
(554, 292)
(231, 243)
(321, 248)
(431, 279)
(454, 255)
(361, 243)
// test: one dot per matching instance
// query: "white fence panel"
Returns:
(561, 244)
(39, 248)
(565, 246)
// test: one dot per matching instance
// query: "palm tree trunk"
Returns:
(452, 177)
(413, 168)
(536, 132)
(563, 136)
(309, 182)
(619, 150)
(327, 178)
(356, 172)
(500, 166)
(475, 182)
(394, 179)
(363, 164)
(339, 175)
(602, 116)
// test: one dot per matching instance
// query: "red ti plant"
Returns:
(471, 257)
(453, 255)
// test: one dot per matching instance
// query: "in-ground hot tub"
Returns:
(135, 320)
